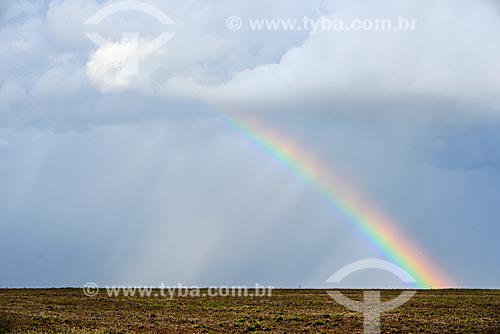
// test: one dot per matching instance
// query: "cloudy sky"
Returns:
(122, 169)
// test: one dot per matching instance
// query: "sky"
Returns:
(133, 175)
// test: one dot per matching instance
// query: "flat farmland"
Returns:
(286, 311)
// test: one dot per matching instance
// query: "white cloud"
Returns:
(113, 65)
(450, 57)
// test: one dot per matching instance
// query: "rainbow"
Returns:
(369, 222)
